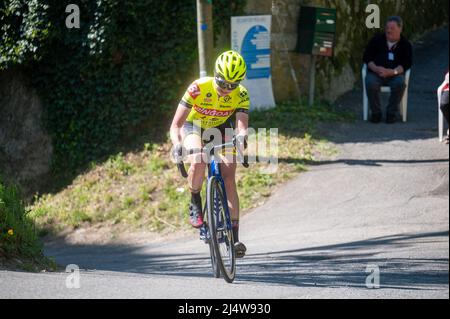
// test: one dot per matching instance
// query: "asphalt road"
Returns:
(380, 206)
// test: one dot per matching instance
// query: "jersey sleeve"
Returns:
(244, 101)
(191, 95)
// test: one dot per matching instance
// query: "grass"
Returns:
(143, 190)
(19, 244)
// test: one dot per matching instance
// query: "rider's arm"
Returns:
(242, 123)
(177, 124)
(242, 113)
(242, 128)
(183, 110)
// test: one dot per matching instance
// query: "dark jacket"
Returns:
(378, 51)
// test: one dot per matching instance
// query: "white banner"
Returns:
(250, 36)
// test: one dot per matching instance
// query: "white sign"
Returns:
(250, 36)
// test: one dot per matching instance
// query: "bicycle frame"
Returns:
(214, 170)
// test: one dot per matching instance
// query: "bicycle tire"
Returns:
(214, 263)
(212, 253)
(216, 212)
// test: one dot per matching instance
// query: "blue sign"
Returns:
(256, 52)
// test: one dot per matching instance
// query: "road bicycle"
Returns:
(217, 227)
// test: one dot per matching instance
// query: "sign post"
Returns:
(312, 79)
(205, 35)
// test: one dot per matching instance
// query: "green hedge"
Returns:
(124, 68)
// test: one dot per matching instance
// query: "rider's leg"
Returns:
(197, 169)
(229, 176)
(228, 169)
(196, 176)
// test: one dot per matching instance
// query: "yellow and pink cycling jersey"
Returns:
(208, 108)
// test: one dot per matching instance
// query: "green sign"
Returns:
(316, 31)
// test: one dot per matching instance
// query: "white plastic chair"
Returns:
(403, 107)
(441, 116)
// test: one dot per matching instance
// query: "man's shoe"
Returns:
(195, 216)
(391, 119)
(375, 118)
(240, 249)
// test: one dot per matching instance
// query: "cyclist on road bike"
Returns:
(213, 103)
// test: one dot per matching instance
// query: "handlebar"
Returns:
(210, 151)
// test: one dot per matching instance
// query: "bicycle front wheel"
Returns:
(221, 234)
(214, 262)
(212, 252)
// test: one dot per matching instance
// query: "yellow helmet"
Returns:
(231, 66)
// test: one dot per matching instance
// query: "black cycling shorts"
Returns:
(209, 135)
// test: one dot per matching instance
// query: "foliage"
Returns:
(18, 238)
(294, 119)
(121, 71)
(22, 29)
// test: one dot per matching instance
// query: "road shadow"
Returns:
(363, 162)
(338, 265)
(349, 264)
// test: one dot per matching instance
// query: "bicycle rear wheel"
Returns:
(221, 234)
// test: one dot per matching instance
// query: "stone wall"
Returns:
(25, 148)
(339, 74)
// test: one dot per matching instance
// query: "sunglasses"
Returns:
(226, 85)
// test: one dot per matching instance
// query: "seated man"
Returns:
(388, 56)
